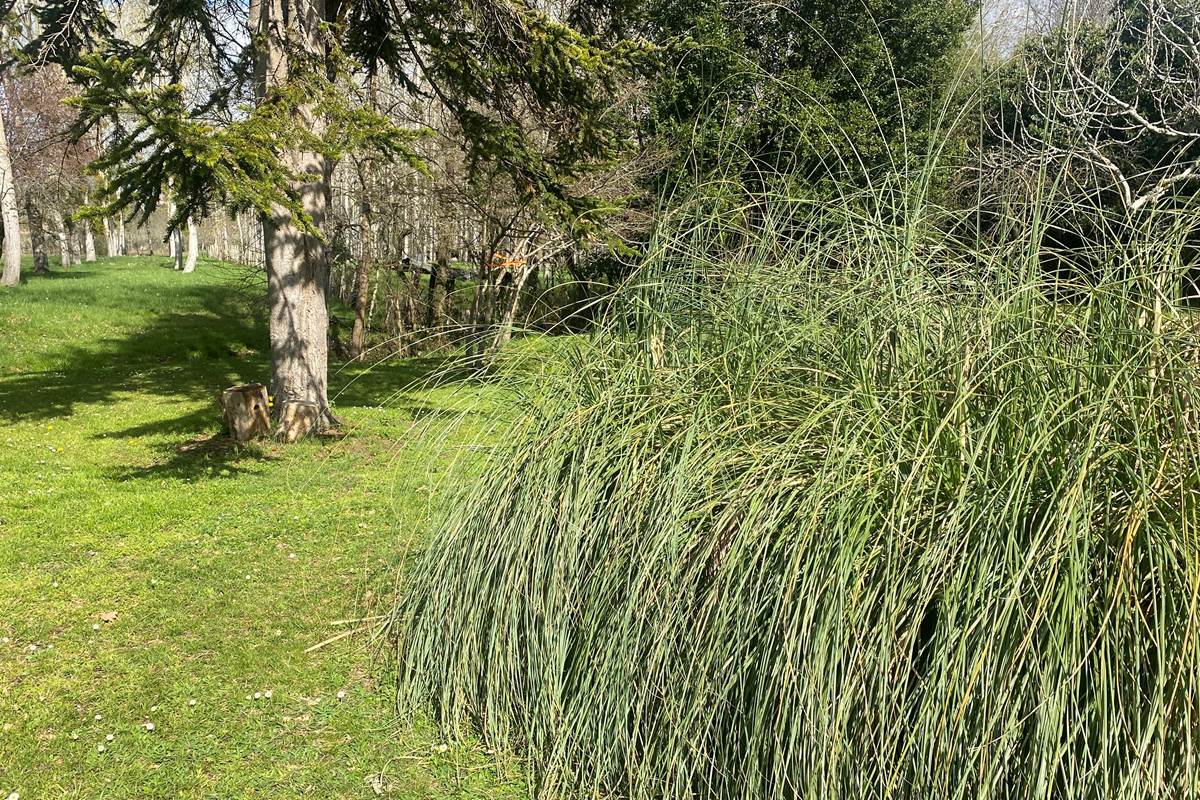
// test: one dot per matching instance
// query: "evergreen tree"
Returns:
(529, 92)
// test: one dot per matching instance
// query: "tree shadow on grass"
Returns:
(206, 338)
(203, 338)
(212, 455)
(29, 277)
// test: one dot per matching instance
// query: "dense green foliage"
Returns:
(815, 88)
(497, 68)
(837, 512)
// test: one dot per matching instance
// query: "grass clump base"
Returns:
(834, 508)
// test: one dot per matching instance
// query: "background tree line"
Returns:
(450, 171)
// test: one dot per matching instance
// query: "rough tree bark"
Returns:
(8, 215)
(296, 265)
(37, 237)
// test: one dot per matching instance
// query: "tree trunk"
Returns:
(413, 279)
(242, 244)
(435, 303)
(439, 277)
(110, 245)
(120, 236)
(89, 242)
(64, 241)
(193, 247)
(358, 334)
(296, 266)
(512, 299)
(9, 216)
(37, 237)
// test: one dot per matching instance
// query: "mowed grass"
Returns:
(153, 574)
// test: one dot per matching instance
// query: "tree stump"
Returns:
(297, 419)
(246, 413)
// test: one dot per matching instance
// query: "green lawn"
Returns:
(153, 573)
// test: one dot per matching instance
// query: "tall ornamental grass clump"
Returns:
(837, 507)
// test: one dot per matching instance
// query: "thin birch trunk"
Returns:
(9, 216)
(64, 246)
(192, 248)
(37, 237)
(89, 241)
(362, 314)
